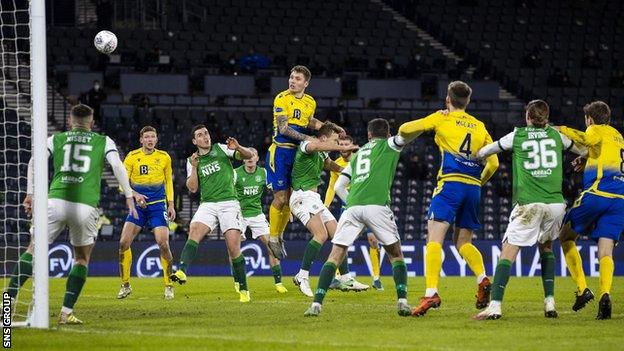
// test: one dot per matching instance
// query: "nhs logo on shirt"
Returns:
(210, 168)
(250, 190)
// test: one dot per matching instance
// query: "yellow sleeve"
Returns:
(168, 179)
(491, 164)
(587, 138)
(330, 193)
(412, 129)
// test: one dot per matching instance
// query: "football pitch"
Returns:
(206, 314)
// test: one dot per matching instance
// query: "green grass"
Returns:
(206, 314)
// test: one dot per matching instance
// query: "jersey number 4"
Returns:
(465, 145)
(74, 159)
(541, 154)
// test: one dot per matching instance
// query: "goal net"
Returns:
(23, 133)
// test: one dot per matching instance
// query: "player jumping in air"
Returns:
(293, 118)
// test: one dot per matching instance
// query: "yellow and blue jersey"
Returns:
(604, 171)
(299, 112)
(459, 136)
(150, 174)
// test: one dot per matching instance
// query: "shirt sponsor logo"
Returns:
(278, 109)
(250, 190)
(71, 179)
(210, 168)
(541, 173)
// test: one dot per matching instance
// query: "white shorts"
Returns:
(305, 204)
(258, 225)
(378, 219)
(226, 214)
(81, 220)
(532, 223)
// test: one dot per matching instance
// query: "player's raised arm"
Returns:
(239, 152)
(412, 129)
(119, 170)
(192, 180)
(327, 145)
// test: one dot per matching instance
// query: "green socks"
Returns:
(21, 272)
(344, 266)
(277, 273)
(399, 273)
(310, 254)
(548, 273)
(501, 277)
(75, 282)
(238, 270)
(327, 275)
(188, 254)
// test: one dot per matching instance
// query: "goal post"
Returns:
(23, 135)
(40, 312)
